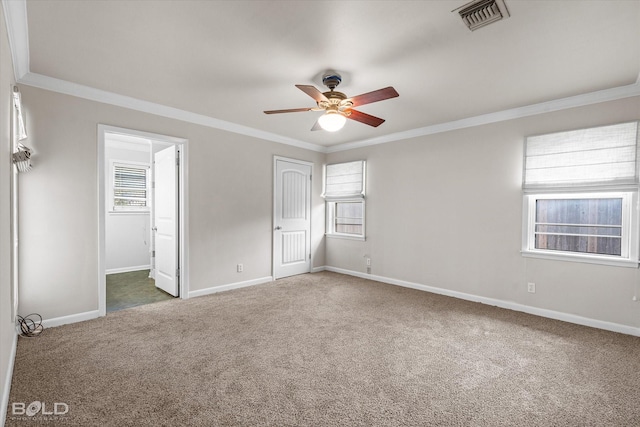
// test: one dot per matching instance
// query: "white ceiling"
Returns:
(230, 60)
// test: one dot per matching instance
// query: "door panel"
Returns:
(292, 219)
(166, 220)
(294, 247)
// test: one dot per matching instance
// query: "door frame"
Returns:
(183, 209)
(273, 216)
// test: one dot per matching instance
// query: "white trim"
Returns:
(15, 16)
(329, 218)
(72, 318)
(584, 258)
(290, 160)
(127, 269)
(86, 92)
(183, 227)
(597, 97)
(61, 86)
(318, 269)
(150, 136)
(630, 225)
(6, 391)
(102, 214)
(551, 314)
(345, 236)
(121, 213)
(184, 208)
(230, 286)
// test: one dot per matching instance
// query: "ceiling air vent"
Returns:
(482, 12)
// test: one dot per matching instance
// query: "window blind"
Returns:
(606, 155)
(344, 180)
(21, 132)
(129, 187)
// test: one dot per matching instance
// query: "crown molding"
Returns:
(105, 97)
(15, 16)
(597, 97)
(15, 12)
(16, 19)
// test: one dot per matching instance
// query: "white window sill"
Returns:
(129, 212)
(344, 236)
(589, 259)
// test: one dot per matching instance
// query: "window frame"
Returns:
(129, 209)
(597, 162)
(630, 239)
(330, 230)
(358, 196)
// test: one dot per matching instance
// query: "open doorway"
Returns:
(142, 216)
(131, 289)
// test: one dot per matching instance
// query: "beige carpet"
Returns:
(327, 350)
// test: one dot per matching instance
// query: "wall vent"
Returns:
(482, 12)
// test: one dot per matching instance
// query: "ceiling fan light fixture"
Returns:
(332, 121)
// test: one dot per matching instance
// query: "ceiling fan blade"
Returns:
(375, 96)
(291, 110)
(365, 118)
(313, 92)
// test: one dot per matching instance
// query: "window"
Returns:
(344, 194)
(130, 187)
(581, 189)
(347, 217)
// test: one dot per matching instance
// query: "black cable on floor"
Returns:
(30, 327)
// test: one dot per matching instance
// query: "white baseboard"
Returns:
(72, 318)
(7, 380)
(81, 317)
(128, 269)
(551, 314)
(222, 288)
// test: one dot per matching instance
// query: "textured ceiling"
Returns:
(231, 60)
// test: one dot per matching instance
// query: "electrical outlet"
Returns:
(368, 262)
(240, 268)
(531, 287)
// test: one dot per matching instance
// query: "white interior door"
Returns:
(292, 218)
(166, 220)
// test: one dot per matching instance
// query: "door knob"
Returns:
(154, 229)
(278, 228)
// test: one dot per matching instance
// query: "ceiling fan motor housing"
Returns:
(336, 101)
(331, 80)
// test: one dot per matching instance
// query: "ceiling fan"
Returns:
(337, 107)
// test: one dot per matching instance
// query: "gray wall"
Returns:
(445, 210)
(230, 210)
